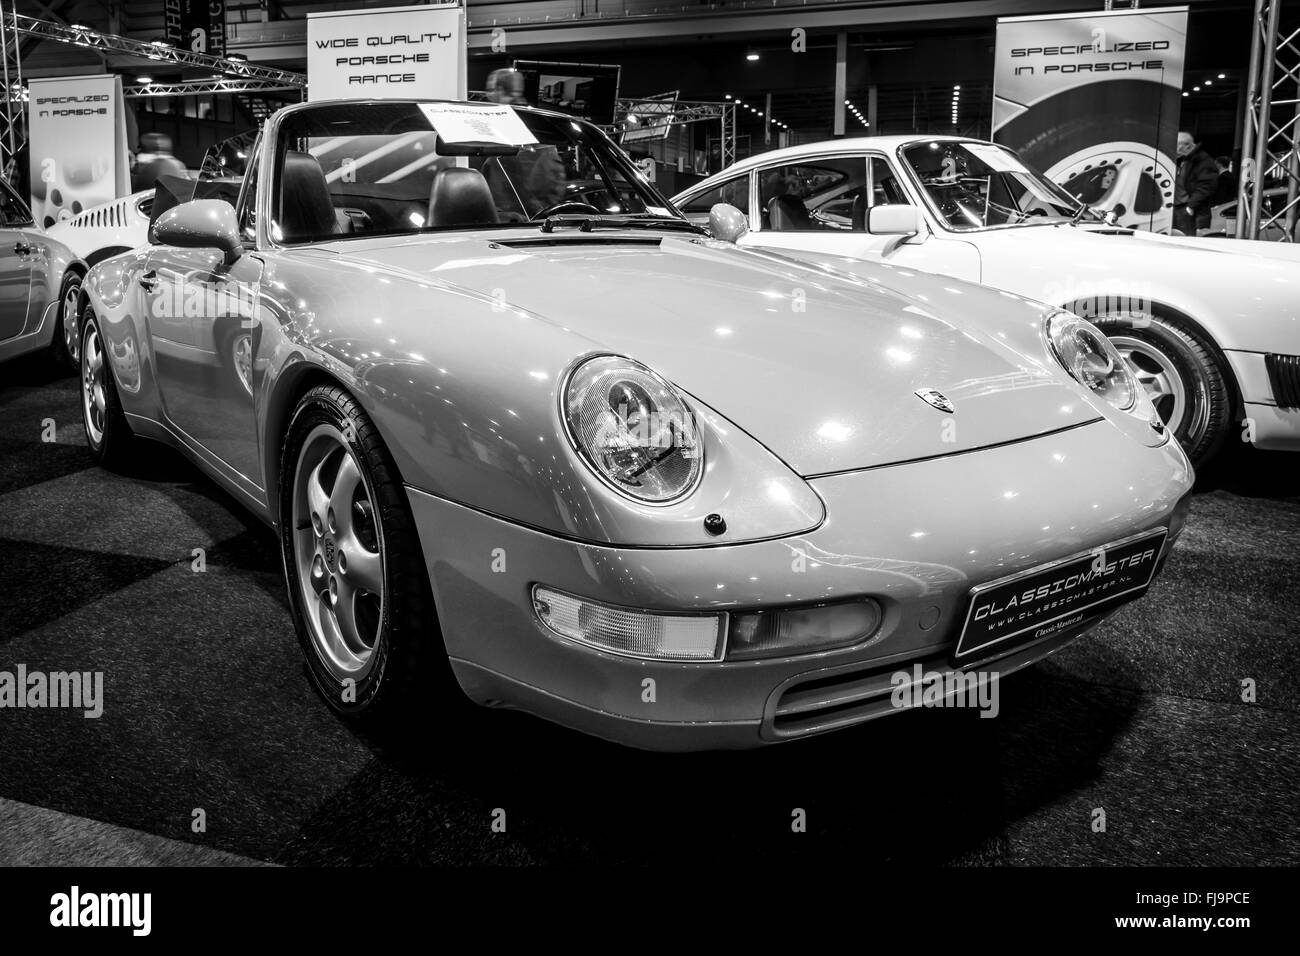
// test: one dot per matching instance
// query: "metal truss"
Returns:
(1271, 138)
(13, 101)
(201, 87)
(687, 111)
(156, 50)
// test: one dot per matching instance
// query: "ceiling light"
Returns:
(1209, 82)
(144, 79)
(1223, 76)
(751, 56)
(1196, 89)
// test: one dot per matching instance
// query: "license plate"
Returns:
(1038, 603)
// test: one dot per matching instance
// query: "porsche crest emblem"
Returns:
(935, 398)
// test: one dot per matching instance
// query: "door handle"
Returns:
(23, 248)
(148, 280)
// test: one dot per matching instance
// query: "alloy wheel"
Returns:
(1158, 377)
(338, 554)
(71, 327)
(94, 402)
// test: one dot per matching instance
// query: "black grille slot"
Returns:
(1284, 377)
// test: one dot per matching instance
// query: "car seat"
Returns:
(306, 207)
(788, 214)
(460, 197)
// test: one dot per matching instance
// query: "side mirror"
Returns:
(895, 219)
(201, 224)
(727, 223)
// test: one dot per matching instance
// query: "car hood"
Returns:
(822, 369)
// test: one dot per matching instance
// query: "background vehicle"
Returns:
(122, 225)
(108, 230)
(556, 448)
(1212, 329)
(40, 278)
(1223, 218)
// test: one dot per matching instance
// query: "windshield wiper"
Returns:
(588, 223)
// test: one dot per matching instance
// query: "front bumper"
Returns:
(915, 537)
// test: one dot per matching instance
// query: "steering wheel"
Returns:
(568, 205)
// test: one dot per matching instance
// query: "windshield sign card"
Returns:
(478, 123)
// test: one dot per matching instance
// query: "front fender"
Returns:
(466, 392)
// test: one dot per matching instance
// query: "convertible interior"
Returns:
(390, 173)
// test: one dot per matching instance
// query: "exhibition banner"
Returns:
(196, 25)
(1093, 100)
(78, 148)
(389, 53)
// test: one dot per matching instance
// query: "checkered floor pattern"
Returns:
(207, 708)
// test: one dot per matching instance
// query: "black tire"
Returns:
(1207, 418)
(115, 444)
(409, 666)
(60, 354)
(1091, 115)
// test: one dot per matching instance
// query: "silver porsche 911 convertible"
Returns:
(565, 452)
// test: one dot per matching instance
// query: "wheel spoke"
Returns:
(364, 568)
(345, 486)
(317, 500)
(345, 613)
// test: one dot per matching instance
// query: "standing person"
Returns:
(506, 86)
(532, 180)
(155, 160)
(1195, 184)
(1227, 190)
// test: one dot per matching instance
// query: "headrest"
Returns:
(460, 197)
(306, 208)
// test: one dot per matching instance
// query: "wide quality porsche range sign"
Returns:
(391, 53)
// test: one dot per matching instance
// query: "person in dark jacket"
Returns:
(1195, 184)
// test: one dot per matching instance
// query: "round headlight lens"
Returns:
(633, 428)
(1092, 360)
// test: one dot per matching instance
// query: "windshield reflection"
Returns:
(973, 185)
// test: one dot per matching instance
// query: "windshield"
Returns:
(388, 168)
(977, 185)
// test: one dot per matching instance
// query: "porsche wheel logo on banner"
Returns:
(393, 52)
(1093, 100)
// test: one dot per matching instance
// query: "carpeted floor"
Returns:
(207, 708)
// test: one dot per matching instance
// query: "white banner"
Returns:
(1093, 100)
(78, 148)
(390, 53)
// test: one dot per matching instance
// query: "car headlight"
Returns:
(1090, 358)
(633, 429)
